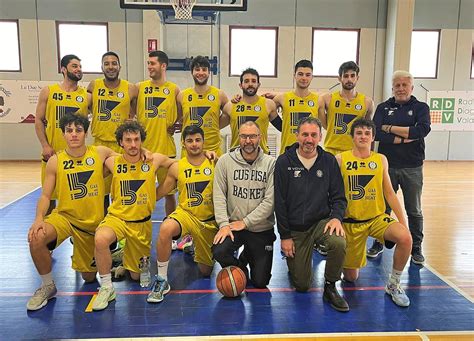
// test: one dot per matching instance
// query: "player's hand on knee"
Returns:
(35, 229)
(288, 247)
(334, 226)
(223, 233)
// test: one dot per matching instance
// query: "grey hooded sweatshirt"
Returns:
(244, 191)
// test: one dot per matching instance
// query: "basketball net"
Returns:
(183, 9)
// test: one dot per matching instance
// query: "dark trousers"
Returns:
(258, 253)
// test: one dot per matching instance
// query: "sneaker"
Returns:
(158, 291)
(186, 241)
(416, 256)
(117, 257)
(104, 296)
(321, 249)
(41, 296)
(332, 296)
(398, 294)
(375, 250)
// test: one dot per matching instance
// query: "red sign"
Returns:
(152, 45)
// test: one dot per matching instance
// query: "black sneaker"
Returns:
(332, 296)
(416, 256)
(321, 249)
(375, 250)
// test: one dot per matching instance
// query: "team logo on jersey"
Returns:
(151, 105)
(207, 171)
(310, 103)
(342, 121)
(128, 190)
(242, 119)
(166, 91)
(319, 173)
(211, 97)
(194, 191)
(80, 99)
(90, 161)
(358, 107)
(372, 165)
(77, 184)
(145, 167)
(105, 108)
(296, 173)
(268, 247)
(62, 111)
(357, 185)
(295, 118)
(257, 108)
(410, 112)
(196, 115)
(391, 111)
(120, 94)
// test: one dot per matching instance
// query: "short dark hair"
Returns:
(161, 56)
(304, 63)
(249, 71)
(361, 123)
(129, 127)
(348, 66)
(67, 59)
(110, 53)
(76, 119)
(309, 120)
(199, 61)
(191, 130)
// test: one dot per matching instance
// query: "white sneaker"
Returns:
(104, 296)
(398, 294)
(41, 296)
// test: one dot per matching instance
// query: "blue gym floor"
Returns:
(194, 307)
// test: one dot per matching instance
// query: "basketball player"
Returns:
(251, 107)
(158, 111)
(366, 183)
(54, 102)
(129, 215)
(202, 105)
(76, 173)
(243, 203)
(342, 108)
(194, 215)
(297, 104)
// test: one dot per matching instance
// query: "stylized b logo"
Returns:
(105, 109)
(128, 191)
(62, 111)
(152, 104)
(357, 185)
(194, 191)
(196, 115)
(341, 123)
(77, 184)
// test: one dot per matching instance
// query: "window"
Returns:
(10, 56)
(424, 53)
(87, 41)
(255, 48)
(331, 48)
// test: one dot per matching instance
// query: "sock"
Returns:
(47, 279)
(395, 276)
(106, 280)
(163, 269)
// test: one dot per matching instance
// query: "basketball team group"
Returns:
(330, 199)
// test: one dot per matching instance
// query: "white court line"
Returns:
(451, 284)
(24, 195)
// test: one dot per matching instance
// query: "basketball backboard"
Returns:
(201, 5)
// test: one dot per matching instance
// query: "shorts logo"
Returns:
(145, 167)
(120, 94)
(77, 184)
(79, 99)
(128, 191)
(319, 173)
(211, 97)
(207, 171)
(90, 161)
(372, 165)
(166, 91)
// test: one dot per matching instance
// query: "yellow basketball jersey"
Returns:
(203, 111)
(156, 112)
(110, 108)
(243, 112)
(195, 188)
(133, 189)
(295, 108)
(363, 185)
(340, 116)
(80, 188)
(60, 103)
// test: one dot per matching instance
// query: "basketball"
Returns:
(231, 281)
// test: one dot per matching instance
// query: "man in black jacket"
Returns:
(402, 124)
(309, 207)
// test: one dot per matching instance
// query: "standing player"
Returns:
(129, 216)
(76, 173)
(366, 183)
(341, 108)
(297, 104)
(194, 175)
(251, 107)
(202, 105)
(54, 102)
(157, 111)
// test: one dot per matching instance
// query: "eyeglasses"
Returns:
(251, 136)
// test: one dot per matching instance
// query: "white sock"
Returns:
(47, 279)
(395, 276)
(106, 280)
(163, 269)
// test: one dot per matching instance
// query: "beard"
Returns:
(348, 86)
(250, 91)
(73, 77)
(200, 82)
(111, 79)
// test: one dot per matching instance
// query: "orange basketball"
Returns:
(231, 281)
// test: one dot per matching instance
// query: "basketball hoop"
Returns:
(183, 9)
